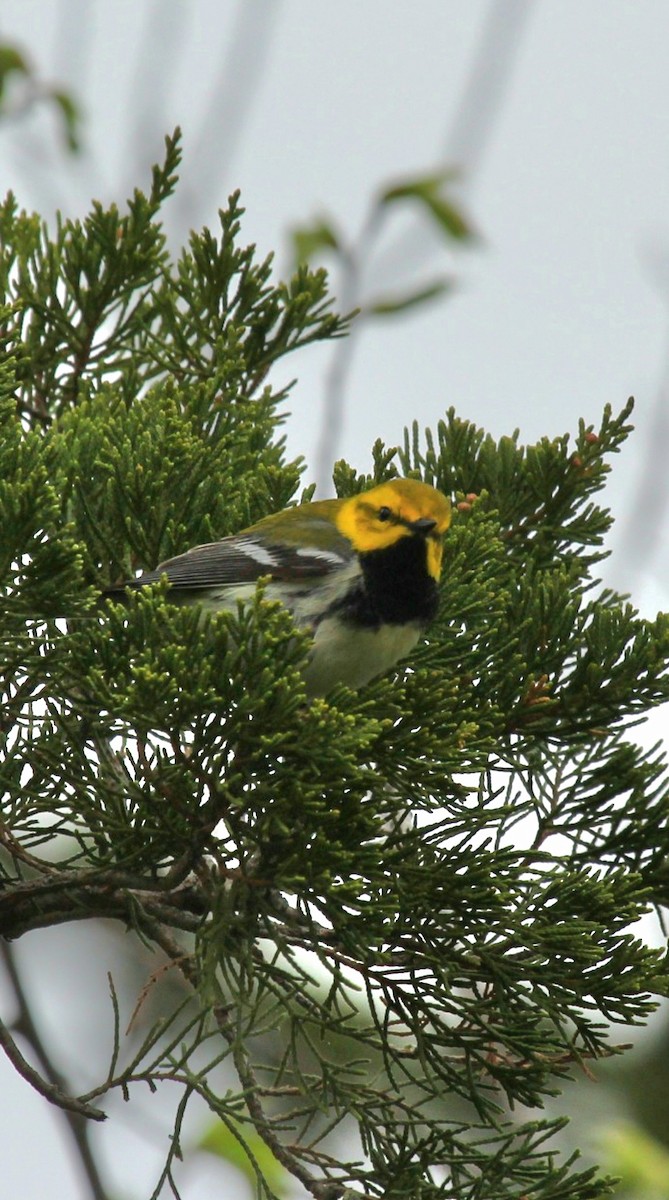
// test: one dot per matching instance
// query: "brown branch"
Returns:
(50, 1091)
(50, 1084)
(29, 410)
(79, 895)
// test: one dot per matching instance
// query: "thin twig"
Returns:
(50, 1091)
(50, 1084)
(288, 1158)
(175, 1148)
(263, 1124)
(147, 988)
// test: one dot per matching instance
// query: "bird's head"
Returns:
(377, 519)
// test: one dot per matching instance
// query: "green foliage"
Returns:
(245, 1150)
(312, 239)
(21, 88)
(430, 191)
(402, 912)
(641, 1162)
(321, 238)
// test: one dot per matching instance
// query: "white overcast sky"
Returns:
(558, 113)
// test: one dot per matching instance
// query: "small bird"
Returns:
(361, 574)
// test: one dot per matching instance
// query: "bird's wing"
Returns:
(248, 557)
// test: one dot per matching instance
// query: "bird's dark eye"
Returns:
(385, 513)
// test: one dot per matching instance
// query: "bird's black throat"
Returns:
(396, 587)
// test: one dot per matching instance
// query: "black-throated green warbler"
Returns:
(361, 574)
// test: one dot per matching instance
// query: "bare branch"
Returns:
(50, 1091)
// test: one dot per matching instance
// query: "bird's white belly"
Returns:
(343, 654)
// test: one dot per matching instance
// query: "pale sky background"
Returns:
(558, 114)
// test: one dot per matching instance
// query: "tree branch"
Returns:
(325, 1189)
(50, 1091)
(50, 1084)
(79, 895)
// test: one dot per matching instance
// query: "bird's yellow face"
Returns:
(400, 508)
